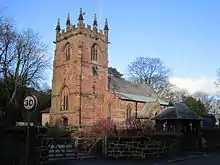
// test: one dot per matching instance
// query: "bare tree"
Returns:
(211, 103)
(215, 108)
(205, 99)
(218, 78)
(174, 94)
(168, 92)
(45, 87)
(150, 71)
(23, 59)
(7, 38)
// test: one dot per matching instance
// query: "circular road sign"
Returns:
(30, 103)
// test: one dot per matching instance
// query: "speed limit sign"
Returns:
(30, 103)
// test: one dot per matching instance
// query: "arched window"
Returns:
(94, 52)
(65, 99)
(129, 108)
(67, 52)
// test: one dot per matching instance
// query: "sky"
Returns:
(185, 34)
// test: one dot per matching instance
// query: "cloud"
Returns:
(202, 84)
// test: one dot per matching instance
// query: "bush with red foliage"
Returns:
(139, 126)
(131, 126)
(134, 123)
(101, 127)
(104, 126)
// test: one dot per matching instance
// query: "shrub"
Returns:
(140, 124)
(91, 137)
(56, 131)
(100, 127)
(105, 126)
(131, 126)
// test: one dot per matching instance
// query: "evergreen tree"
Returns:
(196, 106)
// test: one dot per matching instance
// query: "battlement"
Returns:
(87, 28)
(80, 28)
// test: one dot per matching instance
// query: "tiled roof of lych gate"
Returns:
(127, 90)
(178, 111)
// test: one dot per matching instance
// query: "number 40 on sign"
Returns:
(30, 103)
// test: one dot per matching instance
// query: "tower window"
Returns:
(65, 99)
(67, 52)
(64, 102)
(94, 52)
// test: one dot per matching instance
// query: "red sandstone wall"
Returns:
(67, 73)
(94, 95)
(119, 107)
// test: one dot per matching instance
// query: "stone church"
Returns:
(82, 90)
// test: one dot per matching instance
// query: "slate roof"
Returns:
(124, 86)
(149, 110)
(127, 90)
(177, 111)
(142, 99)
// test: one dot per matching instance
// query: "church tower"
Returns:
(80, 73)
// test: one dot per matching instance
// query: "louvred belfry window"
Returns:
(67, 52)
(94, 52)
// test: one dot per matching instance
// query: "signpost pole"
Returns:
(30, 104)
(27, 139)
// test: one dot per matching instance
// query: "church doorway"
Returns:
(64, 121)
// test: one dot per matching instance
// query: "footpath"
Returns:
(189, 159)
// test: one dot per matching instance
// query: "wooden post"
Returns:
(65, 155)
(158, 126)
(76, 144)
(105, 145)
(27, 145)
(54, 150)
(136, 109)
(179, 125)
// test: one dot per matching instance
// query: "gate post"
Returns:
(76, 144)
(105, 146)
